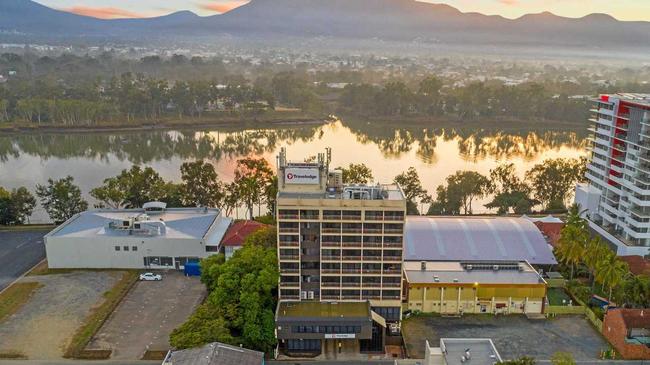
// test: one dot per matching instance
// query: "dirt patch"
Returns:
(42, 327)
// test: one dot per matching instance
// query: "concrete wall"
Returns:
(99, 252)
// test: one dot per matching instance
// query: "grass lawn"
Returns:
(98, 316)
(556, 295)
(15, 297)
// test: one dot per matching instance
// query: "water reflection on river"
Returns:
(436, 152)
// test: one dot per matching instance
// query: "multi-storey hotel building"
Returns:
(617, 195)
(340, 244)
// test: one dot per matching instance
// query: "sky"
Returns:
(620, 9)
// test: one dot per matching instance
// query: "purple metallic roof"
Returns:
(475, 238)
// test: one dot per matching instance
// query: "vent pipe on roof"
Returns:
(423, 265)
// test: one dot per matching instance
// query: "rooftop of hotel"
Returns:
(471, 273)
(638, 98)
(475, 239)
(175, 223)
(350, 192)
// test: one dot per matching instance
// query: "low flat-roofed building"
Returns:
(474, 351)
(151, 237)
(215, 353)
(474, 287)
(475, 239)
(309, 328)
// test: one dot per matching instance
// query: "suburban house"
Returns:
(628, 330)
(237, 233)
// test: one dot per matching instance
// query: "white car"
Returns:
(149, 276)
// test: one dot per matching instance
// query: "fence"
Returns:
(564, 309)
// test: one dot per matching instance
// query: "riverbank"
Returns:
(273, 119)
(504, 124)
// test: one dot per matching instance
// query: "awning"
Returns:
(377, 318)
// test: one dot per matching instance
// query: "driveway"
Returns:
(42, 328)
(514, 336)
(19, 251)
(148, 314)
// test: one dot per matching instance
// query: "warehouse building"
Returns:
(474, 287)
(465, 239)
(154, 237)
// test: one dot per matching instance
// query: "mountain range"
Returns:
(387, 20)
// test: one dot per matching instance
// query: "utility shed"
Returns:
(215, 353)
(150, 237)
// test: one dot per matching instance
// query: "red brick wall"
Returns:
(615, 331)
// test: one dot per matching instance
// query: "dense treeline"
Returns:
(84, 90)
(527, 101)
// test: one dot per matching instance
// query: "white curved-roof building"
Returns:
(475, 239)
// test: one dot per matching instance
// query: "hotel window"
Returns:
(117, 248)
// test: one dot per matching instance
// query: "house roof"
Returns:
(239, 231)
(215, 353)
(635, 318)
(475, 239)
(638, 265)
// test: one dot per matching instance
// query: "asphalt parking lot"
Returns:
(148, 314)
(19, 252)
(514, 336)
(42, 327)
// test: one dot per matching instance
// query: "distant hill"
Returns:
(391, 20)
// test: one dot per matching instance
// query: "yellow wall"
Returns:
(485, 298)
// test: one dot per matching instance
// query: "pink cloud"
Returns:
(509, 2)
(222, 6)
(103, 12)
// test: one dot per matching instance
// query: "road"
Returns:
(19, 251)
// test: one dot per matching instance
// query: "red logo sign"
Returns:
(289, 176)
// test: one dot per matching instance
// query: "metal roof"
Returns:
(187, 223)
(475, 238)
(323, 310)
(455, 273)
(215, 354)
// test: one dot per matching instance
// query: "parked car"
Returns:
(149, 276)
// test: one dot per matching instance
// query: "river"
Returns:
(30, 159)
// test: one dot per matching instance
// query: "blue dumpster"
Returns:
(192, 269)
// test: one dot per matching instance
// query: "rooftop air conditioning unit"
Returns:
(495, 267)
(303, 295)
(436, 279)
(470, 267)
(423, 265)
(310, 295)
(455, 280)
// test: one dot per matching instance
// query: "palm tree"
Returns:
(596, 250)
(612, 272)
(574, 218)
(637, 290)
(573, 242)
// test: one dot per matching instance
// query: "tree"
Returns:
(445, 203)
(61, 199)
(252, 176)
(410, 183)
(467, 186)
(201, 185)
(572, 246)
(510, 192)
(131, 188)
(203, 326)
(637, 291)
(16, 206)
(612, 271)
(265, 237)
(241, 300)
(553, 179)
(356, 174)
(562, 358)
